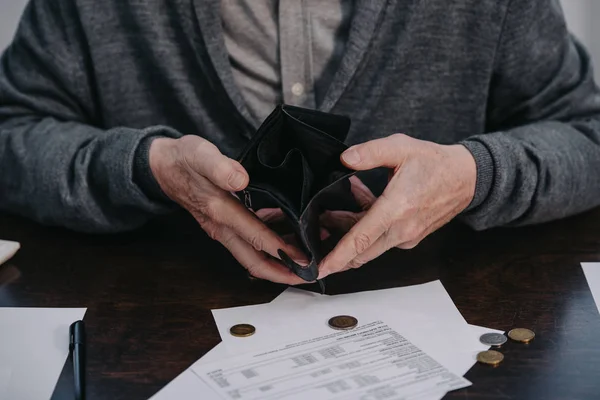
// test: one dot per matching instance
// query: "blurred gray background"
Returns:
(580, 17)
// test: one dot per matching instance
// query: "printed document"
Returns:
(372, 361)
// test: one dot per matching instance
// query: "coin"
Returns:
(490, 357)
(521, 335)
(492, 339)
(242, 330)
(343, 322)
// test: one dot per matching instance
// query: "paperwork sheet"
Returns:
(428, 316)
(4, 380)
(370, 361)
(7, 250)
(34, 344)
(460, 363)
(592, 274)
(431, 321)
(187, 386)
(424, 315)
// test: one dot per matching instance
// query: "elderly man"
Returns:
(114, 111)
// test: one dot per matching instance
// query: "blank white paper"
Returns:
(34, 344)
(8, 250)
(592, 275)
(5, 374)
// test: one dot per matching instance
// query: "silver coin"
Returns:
(492, 339)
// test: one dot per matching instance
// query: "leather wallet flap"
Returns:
(333, 125)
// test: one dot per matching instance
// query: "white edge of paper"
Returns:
(591, 271)
(7, 250)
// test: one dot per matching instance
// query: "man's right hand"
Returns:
(194, 173)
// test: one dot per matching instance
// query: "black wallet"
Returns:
(294, 164)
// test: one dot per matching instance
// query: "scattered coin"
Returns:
(492, 339)
(490, 357)
(242, 330)
(343, 322)
(521, 335)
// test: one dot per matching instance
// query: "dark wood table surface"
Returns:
(149, 294)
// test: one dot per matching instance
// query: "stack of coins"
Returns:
(493, 357)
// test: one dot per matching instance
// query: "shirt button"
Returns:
(297, 89)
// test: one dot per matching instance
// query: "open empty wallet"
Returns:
(294, 164)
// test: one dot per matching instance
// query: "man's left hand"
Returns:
(429, 185)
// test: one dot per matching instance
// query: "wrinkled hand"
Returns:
(194, 173)
(429, 185)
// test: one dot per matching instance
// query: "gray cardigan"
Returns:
(86, 85)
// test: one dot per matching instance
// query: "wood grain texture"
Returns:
(149, 294)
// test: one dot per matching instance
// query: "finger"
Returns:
(269, 215)
(383, 244)
(363, 234)
(206, 160)
(231, 213)
(380, 246)
(363, 195)
(324, 234)
(257, 263)
(340, 221)
(386, 152)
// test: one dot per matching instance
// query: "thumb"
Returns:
(385, 152)
(205, 159)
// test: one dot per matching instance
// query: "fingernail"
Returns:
(351, 156)
(236, 180)
(301, 261)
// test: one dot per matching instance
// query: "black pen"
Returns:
(77, 350)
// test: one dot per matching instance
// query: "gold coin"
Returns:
(490, 357)
(343, 322)
(242, 330)
(521, 335)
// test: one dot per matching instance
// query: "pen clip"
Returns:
(71, 340)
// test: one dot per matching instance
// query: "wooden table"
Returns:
(149, 295)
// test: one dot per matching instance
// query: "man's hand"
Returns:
(194, 173)
(429, 185)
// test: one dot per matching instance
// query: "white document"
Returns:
(426, 313)
(7, 250)
(437, 313)
(4, 380)
(461, 363)
(187, 386)
(34, 345)
(438, 329)
(371, 361)
(592, 274)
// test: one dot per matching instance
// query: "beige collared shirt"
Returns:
(284, 50)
